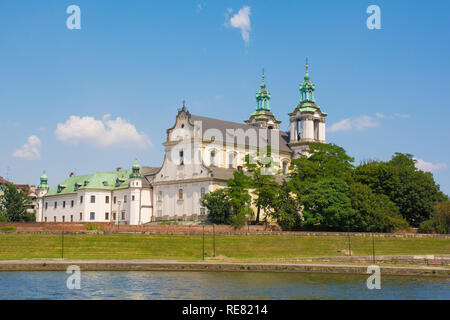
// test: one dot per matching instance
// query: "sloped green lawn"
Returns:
(177, 247)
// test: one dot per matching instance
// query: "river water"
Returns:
(216, 285)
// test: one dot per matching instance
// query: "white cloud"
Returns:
(364, 121)
(358, 123)
(240, 20)
(393, 116)
(101, 133)
(428, 166)
(29, 150)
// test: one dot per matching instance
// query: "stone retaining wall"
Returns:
(214, 267)
(56, 228)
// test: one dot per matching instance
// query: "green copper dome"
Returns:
(136, 170)
(307, 89)
(44, 182)
(263, 97)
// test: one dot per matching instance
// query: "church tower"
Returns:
(307, 121)
(42, 191)
(135, 193)
(263, 117)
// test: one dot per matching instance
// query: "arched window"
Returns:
(181, 158)
(212, 158)
(231, 160)
(285, 167)
(180, 194)
(316, 129)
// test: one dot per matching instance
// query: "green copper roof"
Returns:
(307, 89)
(44, 182)
(136, 170)
(263, 97)
(98, 181)
(44, 176)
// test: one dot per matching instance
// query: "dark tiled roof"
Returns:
(227, 173)
(221, 173)
(148, 171)
(210, 123)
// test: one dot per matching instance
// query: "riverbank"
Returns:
(211, 266)
(18, 246)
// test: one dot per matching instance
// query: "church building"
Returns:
(201, 154)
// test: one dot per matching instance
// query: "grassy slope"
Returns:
(139, 246)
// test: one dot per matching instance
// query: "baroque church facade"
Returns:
(201, 154)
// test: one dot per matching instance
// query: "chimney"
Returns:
(119, 169)
(71, 175)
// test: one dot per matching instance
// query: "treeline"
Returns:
(325, 191)
(13, 204)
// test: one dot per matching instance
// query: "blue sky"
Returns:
(133, 62)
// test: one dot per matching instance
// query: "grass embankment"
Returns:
(189, 248)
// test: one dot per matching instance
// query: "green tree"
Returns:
(373, 209)
(218, 204)
(413, 191)
(440, 220)
(240, 199)
(13, 204)
(327, 204)
(417, 193)
(381, 177)
(325, 161)
(285, 208)
(263, 184)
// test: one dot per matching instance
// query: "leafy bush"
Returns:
(219, 207)
(238, 221)
(92, 227)
(440, 220)
(8, 229)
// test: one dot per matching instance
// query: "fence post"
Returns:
(214, 240)
(62, 243)
(203, 244)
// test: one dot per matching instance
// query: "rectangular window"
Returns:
(202, 192)
(54, 219)
(132, 198)
(71, 218)
(123, 215)
(81, 216)
(124, 199)
(106, 215)
(64, 219)
(81, 199)
(159, 213)
(202, 211)
(92, 216)
(107, 199)
(45, 219)
(56, 204)
(64, 204)
(46, 205)
(180, 194)
(115, 200)
(92, 199)
(114, 216)
(71, 203)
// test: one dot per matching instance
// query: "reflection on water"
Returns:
(216, 285)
